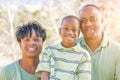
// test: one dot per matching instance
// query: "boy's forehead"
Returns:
(70, 20)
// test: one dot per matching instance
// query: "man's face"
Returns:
(69, 31)
(31, 46)
(91, 22)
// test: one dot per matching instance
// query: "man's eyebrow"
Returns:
(90, 17)
(93, 17)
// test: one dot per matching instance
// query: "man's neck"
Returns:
(29, 65)
(94, 43)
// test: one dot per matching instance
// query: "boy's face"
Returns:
(69, 31)
(31, 46)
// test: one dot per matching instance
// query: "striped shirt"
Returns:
(66, 63)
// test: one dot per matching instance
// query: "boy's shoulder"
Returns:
(80, 39)
(55, 46)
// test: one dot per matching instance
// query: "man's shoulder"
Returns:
(114, 44)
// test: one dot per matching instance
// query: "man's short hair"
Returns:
(92, 5)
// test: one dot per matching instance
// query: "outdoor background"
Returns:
(49, 13)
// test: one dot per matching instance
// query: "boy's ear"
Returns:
(79, 33)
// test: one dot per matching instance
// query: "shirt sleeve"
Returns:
(84, 68)
(117, 74)
(44, 63)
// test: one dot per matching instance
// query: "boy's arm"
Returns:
(84, 68)
(44, 75)
(44, 63)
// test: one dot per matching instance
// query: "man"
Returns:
(105, 53)
(30, 38)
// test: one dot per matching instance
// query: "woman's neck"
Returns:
(29, 65)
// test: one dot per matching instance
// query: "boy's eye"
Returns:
(65, 29)
(74, 30)
(83, 21)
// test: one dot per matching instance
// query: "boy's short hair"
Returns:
(26, 30)
(69, 16)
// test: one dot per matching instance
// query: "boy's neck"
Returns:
(68, 45)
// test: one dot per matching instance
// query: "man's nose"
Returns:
(88, 23)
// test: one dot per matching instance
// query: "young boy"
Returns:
(66, 60)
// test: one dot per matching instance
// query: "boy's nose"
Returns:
(70, 32)
(32, 42)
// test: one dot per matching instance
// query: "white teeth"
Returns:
(31, 49)
(69, 37)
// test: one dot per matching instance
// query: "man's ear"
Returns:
(102, 20)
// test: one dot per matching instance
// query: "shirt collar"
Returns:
(61, 47)
(103, 44)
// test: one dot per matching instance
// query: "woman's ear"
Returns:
(60, 30)
(19, 44)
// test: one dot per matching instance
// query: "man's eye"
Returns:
(65, 29)
(93, 20)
